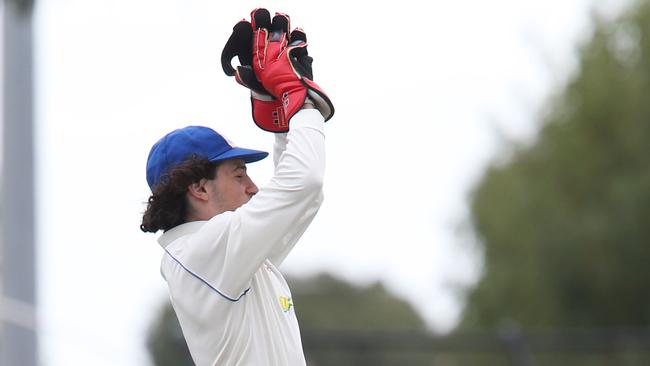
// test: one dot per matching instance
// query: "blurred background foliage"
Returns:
(325, 302)
(563, 224)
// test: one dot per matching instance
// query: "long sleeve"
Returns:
(229, 248)
(278, 147)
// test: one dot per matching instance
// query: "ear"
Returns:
(197, 190)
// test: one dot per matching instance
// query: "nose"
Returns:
(252, 189)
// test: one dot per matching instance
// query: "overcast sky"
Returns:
(426, 94)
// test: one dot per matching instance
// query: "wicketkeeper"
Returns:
(223, 237)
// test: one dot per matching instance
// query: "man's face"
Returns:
(232, 187)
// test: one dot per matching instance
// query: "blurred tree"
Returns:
(165, 342)
(565, 222)
(325, 302)
(322, 303)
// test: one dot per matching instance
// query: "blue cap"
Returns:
(179, 145)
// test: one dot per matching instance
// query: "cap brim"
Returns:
(248, 155)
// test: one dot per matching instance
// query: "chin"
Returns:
(238, 206)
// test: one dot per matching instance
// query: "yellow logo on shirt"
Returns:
(286, 303)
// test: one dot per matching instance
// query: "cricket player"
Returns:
(223, 237)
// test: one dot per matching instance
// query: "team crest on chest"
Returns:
(286, 303)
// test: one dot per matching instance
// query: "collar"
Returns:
(181, 230)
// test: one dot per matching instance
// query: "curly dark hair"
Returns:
(167, 205)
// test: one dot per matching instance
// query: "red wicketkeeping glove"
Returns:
(283, 67)
(266, 109)
(278, 85)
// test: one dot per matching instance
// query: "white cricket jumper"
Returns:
(233, 304)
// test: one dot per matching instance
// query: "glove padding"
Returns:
(276, 68)
(266, 110)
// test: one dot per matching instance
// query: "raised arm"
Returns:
(268, 226)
